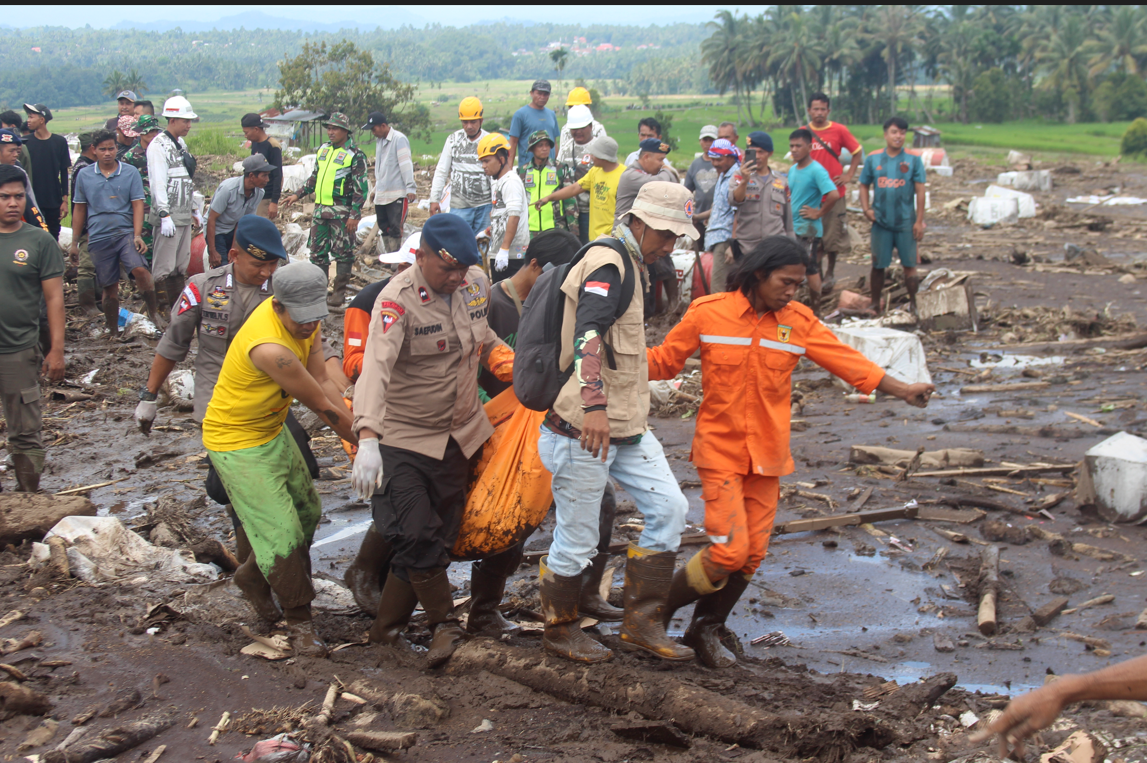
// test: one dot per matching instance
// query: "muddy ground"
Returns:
(859, 606)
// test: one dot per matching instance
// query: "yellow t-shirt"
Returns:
(248, 407)
(602, 187)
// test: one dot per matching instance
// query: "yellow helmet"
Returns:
(492, 143)
(579, 96)
(470, 108)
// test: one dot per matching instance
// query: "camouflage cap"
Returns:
(338, 119)
(536, 137)
(147, 123)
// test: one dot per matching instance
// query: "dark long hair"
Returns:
(756, 266)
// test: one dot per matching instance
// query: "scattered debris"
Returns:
(1114, 479)
(989, 589)
(655, 732)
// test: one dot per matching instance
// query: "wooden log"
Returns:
(937, 459)
(58, 560)
(1049, 431)
(989, 589)
(1125, 342)
(972, 389)
(383, 741)
(998, 471)
(114, 741)
(21, 700)
(844, 520)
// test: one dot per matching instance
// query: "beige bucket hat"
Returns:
(666, 206)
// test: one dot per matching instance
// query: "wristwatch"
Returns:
(147, 397)
(164, 213)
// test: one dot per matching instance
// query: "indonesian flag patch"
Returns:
(354, 338)
(600, 288)
(188, 298)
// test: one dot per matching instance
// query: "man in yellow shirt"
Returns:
(273, 360)
(601, 182)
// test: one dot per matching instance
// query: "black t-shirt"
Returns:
(503, 318)
(365, 299)
(271, 151)
(50, 164)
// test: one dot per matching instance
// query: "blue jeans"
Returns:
(579, 481)
(223, 243)
(478, 218)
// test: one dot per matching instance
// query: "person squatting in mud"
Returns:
(418, 395)
(751, 338)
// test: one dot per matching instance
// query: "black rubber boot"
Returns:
(301, 632)
(256, 590)
(27, 475)
(648, 577)
(175, 284)
(86, 291)
(432, 587)
(395, 606)
(338, 286)
(707, 631)
(365, 574)
(487, 587)
(592, 603)
(563, 635)
(689, 584)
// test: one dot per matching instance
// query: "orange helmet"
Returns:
(579, 96)
(470, 108)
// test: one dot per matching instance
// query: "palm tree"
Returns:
(897, 28)
(720, 51)
(798, 52)
(957, 64)
(1063, 57)
(114, 83)
(1121, 43)
(559, 57)
(134, 81)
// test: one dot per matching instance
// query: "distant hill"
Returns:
(390, 18)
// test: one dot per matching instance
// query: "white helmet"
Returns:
(579, 116)
(178, 107)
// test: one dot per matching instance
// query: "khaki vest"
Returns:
(626, 388)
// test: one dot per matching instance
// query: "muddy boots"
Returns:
(86, 291)
(563, 635)
(395, 606)
(27, 473)
(365, 574)
(487, 586)
(249, 579)
(301, 631)
(592, 603)
(706, 634)
(648, 576)
(173, 287)
(432, 587)
(338, 286)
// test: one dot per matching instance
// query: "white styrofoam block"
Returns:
(990, 211)
(897, 352)
(1118, 469)
(1026, 200)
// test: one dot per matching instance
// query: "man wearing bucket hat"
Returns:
(275, 359)
(339, 185)
(420, 420)
(580, 130)
(170, 170)
(596, 430)
(649, 167)
(147, 126)
(125, 135)
(234, 198)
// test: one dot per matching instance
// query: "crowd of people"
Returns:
(563, 218)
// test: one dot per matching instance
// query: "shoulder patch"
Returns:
(389, 313)
(423, 294)
(189, 298)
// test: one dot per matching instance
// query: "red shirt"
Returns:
(837, 137)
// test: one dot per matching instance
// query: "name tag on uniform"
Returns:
(323, 153)
(529, 180)
(340, 157)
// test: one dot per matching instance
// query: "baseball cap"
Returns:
(256, 163)
(258, 237)
(450, 237)
(39, 108)
(604, 148)
(301, 287)
(708, 131)
(666, 206)
(8, 136)
(126, 94)
(722, 147)
(653, 146)
(541, 85)
(405, 252)
(251, 120)
(126, 125)
(761, 140)
(578, 117)
(375, 118)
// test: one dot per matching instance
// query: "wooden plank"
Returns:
(1017, 387)
(997, 471)
(846, 520)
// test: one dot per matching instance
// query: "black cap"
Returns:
(450, 237)
(542, 86)
(654, 145)
(9, 136)
(39, 108)
(375, 118)
(761, 140)
(251, 120)
(258, 237)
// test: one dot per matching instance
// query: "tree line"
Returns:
(1062, 62)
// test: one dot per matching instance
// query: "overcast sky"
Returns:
(102, 16)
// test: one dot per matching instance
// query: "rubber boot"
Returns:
(563, 635)
(648, 577)
(391, 243)
(689, 584)
(242, 543)
(256, 590)
(301, 632)
(707, 631)
(162, 298)
(364, 576)
(338, 286)
(175, 284)
(395, 606)
(592, 603)
(487, 587)
(86, 291)
(27, 475)
(432, 587)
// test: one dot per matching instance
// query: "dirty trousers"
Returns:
(329, 239)
(20, 391)
(739, 513)
(273, 495)
(579, 483)
(419, 506)
(172, 254)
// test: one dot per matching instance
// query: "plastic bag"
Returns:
(508, 495)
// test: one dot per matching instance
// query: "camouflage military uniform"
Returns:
(541, 181)
(329, 238)
(136, 156)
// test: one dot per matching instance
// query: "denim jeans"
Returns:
(579, 481)
(478, 218)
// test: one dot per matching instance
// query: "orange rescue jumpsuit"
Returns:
(741, 443)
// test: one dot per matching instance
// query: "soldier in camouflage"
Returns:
(148, 127)
(541, 177)
(339, 185)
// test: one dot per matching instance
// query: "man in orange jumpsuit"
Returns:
(751, 338)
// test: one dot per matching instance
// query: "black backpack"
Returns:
(538, 377)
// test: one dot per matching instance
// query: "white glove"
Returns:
(502, 261)
(367, 472)
(145, 414)
(167, 226)
(195, 214)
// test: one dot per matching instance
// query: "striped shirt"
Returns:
(393, 169)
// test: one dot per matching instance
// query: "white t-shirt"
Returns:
(510, 201)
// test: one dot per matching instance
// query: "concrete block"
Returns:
(1115, 479)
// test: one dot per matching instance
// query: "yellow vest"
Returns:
(540, 183)
(248, 407)
(334, 173)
